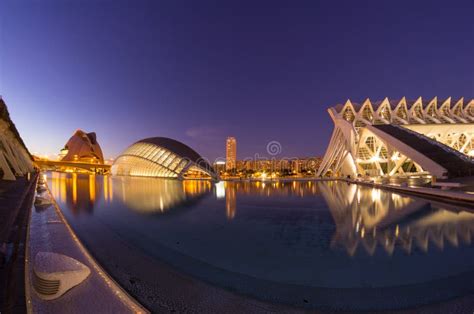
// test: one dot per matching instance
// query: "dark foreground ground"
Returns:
(15, 203)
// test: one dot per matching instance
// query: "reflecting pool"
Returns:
(329, 244)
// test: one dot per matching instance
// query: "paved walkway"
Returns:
(50, 232)
(15, 202)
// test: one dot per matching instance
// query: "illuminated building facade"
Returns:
(231, 153)
(162, 157)
(82, 147)
(219, 166)
(297, 165)
(398, 138)
(305, 164)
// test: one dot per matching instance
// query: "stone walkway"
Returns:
(50, 232)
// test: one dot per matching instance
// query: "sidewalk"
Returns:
(50, 232)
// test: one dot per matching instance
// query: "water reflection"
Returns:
(297, 236)
(78, 191)
(82, 192)
(156, 195)
(364, 218)
(230, 200)
(370, 218)
(273, 188)
(268, 189)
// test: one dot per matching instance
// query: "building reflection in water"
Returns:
(147, 195)
(369, 218)
(365, 218)
(275, 188)
(107, 188)
(78, 191)
(219, 189)
(81, 192)
(268, 189)
(230, 200)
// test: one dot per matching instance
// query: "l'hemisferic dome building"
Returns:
(401, 137)
(162, 157)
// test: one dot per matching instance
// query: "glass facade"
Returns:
(150, 160)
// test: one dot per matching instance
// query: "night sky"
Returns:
(199, 71)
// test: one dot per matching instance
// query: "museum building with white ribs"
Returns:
(401, 137)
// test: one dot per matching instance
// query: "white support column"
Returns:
(7, 172)
(15, 152)
(398, 164)
(7, 153)
(329, 156)
(468, 142)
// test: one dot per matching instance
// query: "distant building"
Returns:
(310, 164)
(295, 165)
(231, 153)
(219, 166)
(240, 165)
(82, 147)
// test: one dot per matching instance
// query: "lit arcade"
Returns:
(162, 157)
(401, 137)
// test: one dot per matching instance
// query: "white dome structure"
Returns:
(162, 157)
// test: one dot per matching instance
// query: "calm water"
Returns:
(334, 243)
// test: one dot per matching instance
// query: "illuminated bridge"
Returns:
(64, 165)
(401, 137)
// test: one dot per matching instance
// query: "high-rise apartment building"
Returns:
(230, 153)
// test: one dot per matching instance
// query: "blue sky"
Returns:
(199, 71)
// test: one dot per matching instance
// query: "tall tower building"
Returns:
(230, 153)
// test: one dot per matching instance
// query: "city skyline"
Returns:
(126, 73)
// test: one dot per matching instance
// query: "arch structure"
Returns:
(162, 157)
(401, 137)
(15, 160)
